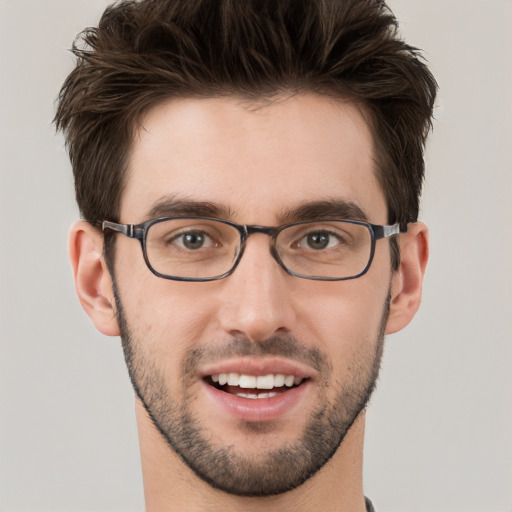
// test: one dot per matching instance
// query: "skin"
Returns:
(258, 161)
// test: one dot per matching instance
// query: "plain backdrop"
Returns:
(439, 434)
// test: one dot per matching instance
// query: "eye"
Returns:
(319, 240)
(193, 240)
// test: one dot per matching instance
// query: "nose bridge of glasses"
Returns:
(266, 230)
(249, 230)
(263, 230)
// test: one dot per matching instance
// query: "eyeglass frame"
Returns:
(139, 232)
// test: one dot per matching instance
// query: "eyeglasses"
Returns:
(206, 249)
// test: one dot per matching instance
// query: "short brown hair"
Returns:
(146, 51)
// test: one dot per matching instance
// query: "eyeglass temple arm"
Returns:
(387, 231)
(129, 230)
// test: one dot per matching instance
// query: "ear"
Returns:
(92, 279)
(406, 284)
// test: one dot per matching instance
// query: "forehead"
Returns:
(254, 159)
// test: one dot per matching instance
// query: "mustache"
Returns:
(286, 346)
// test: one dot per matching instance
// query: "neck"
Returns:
(170, 485)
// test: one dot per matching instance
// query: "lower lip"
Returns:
(257, 409)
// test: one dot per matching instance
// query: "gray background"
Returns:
(439, 428)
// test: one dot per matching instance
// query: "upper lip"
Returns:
(257, 367)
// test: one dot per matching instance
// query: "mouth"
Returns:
(258, 390)
(254, 386)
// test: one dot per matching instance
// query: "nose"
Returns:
(257, 299)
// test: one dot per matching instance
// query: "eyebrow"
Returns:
(171, 206)
(331, 208)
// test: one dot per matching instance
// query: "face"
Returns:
(300, 356)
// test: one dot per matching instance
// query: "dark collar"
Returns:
(369, 505)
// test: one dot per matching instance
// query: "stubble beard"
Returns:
(223, 467)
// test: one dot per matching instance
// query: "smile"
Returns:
(250, 386)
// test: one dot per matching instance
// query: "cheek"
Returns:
(345, 317)
(166, 317)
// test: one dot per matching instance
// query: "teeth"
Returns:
(265, 382)
(233, 379)
(245, 381)
(259, 395)
(279, 380)
(270, 381)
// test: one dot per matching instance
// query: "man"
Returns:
(249, 177)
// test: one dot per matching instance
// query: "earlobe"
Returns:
(407, 282)
(92, 280)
